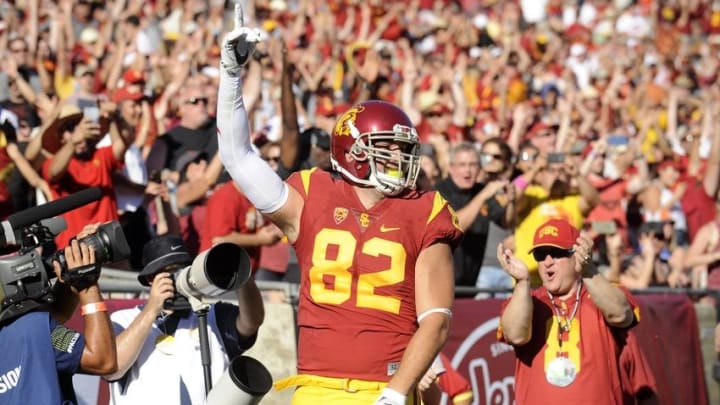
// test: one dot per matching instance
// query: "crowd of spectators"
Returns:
(598, 111)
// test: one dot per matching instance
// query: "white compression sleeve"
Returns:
(257, 180)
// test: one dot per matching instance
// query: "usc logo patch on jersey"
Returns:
(340, 214)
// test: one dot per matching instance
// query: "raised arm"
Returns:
(609, 299)
(253, 175)
(27, 171)
(516, 319)
(290, 129)
(711, 179)
(251, 312)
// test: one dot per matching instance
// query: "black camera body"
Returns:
(178, 302)
(25, 277)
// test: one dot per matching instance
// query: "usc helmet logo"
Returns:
(548, 231)
(345, 126)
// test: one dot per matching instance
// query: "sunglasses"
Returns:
(541, 253)
(196, 100)
(490, 156)
(272, 158)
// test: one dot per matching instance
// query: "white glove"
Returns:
(239, 44)
(389, 396)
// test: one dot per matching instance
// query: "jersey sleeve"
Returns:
(442, 224)
(68, 346)
(301, 180)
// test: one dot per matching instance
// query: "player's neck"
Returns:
(368, 196)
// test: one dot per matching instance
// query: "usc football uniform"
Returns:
(357, 303)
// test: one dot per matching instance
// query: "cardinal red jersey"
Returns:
(589, 344)
(357, 293)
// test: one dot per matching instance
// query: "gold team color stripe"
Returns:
(305, 176)
(438, 204)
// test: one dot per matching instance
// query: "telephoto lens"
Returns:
(223, 267)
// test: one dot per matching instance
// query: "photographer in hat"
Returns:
(567, 334)
(158, 342)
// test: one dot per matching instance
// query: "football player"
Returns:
(375, 254)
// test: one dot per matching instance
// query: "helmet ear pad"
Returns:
(357, 152)
(360, 158)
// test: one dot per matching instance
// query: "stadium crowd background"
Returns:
(627, 90)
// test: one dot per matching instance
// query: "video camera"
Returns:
(25, 276)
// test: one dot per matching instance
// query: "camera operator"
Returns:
(159, 359)
(41, 354)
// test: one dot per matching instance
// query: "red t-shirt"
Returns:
(275, 257)
(82, 174)
(590, 345)
(698, 207)
(357, 274)
(229, 211)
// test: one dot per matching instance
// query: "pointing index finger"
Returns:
(239, 18)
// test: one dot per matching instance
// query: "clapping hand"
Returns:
(239, 44)
(512, 264)
(583, 250)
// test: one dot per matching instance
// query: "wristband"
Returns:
(89, 309)
(389, 396)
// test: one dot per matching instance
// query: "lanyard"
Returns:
(568, 320)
